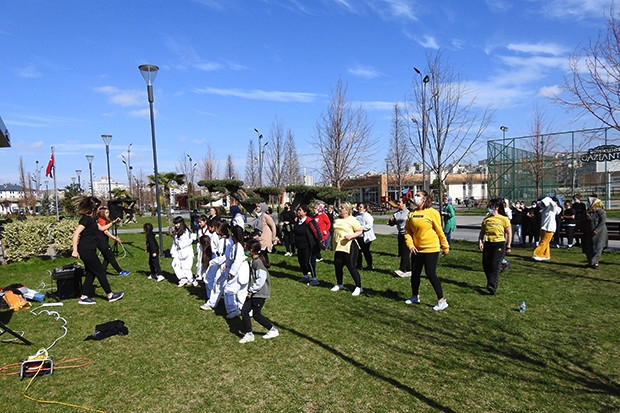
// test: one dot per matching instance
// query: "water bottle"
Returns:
(522, 307)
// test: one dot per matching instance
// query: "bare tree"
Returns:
(539, 161)
(592, 85)
(399, 157)
(229, 172)
(208, 167)
(275, 164)
(251, 167)
(292, 168)
(343, 136)
(453, 126)
(25, 182)
(187, 166)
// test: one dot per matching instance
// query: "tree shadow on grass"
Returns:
(393, 382)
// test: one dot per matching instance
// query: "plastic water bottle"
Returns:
(522, 307)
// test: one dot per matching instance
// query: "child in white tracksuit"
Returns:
(237, 274)
(182, 252)
(215, 276)
(202, 231)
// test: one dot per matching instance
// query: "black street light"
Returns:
(425, 79)
(90, 158)
(260, 157)
(128, 167)
(107, 139)
(149, 72)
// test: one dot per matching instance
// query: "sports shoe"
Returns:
(182, 282)
(407, 274)
(305, 279)
(151, 277)
(535, 258)
(357, 291)
(273, 332)
(414, 299)
(234, 314)
(441, 305)
(86, 301)
(313, 282)
(248, 338)
(288, 254)
(399, 273)
(115, 296)
(206, 307)
(160, 278)
(195, 283)
(338, 287)
(124, 273)
(319, 259)
(505, 266)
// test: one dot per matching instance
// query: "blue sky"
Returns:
(68, 72)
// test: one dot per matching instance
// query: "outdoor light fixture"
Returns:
(107, 139)
(425, 79)
(149, 73)
(90, 158)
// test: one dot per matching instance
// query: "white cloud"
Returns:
(122, 97)
(553, 49)
(550, 91)
(364, 72)
(429, 42)
(142, 113)
(29, 72)
(257, 94)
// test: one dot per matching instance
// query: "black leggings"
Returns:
(365, 251)
(342, 259)
(256, 306)
(307, 262)
(428, 261)
(92, 269)
(108, 257)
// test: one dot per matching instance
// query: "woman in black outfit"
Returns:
(287, 220)
(84, 241)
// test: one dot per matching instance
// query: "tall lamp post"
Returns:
(107, 139)
(149, 72)
(425, 80)
(260, 157)
(128, 167)
(78, 172)
(504, 159)
(90, 158)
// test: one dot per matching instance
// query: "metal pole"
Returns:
(90, 158)
(155, 172)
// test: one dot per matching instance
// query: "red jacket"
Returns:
(324, 225)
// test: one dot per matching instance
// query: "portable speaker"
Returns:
(68, 281)
(116, 209)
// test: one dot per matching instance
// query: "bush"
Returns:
(61, 233)
(26, 239)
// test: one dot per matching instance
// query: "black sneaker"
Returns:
(116, 296)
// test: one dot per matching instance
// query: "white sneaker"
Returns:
(399, 273)
(151, 277)
(206, 307)
(287, 254)
(160, 278)
(357, 291)
(414, 299)
(182, 282)
(441, 305)
(271, 333)
(248, 338)
(338, 287)
(407, 274)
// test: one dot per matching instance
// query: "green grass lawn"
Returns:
(336, 353)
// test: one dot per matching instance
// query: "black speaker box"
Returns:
(68, 281)
(116, 209)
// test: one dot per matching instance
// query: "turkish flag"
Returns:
(50, 166)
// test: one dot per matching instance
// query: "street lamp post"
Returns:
(107, 139)
(425, 80)
(149, 72)
(78, 172)
(504, 158)
(260, 157)
(90, 158)
(128, 167)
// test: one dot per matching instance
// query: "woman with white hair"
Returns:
(595, 231)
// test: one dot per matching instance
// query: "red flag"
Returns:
(50, 165)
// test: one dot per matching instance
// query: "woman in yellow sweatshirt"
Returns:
(425, 239)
